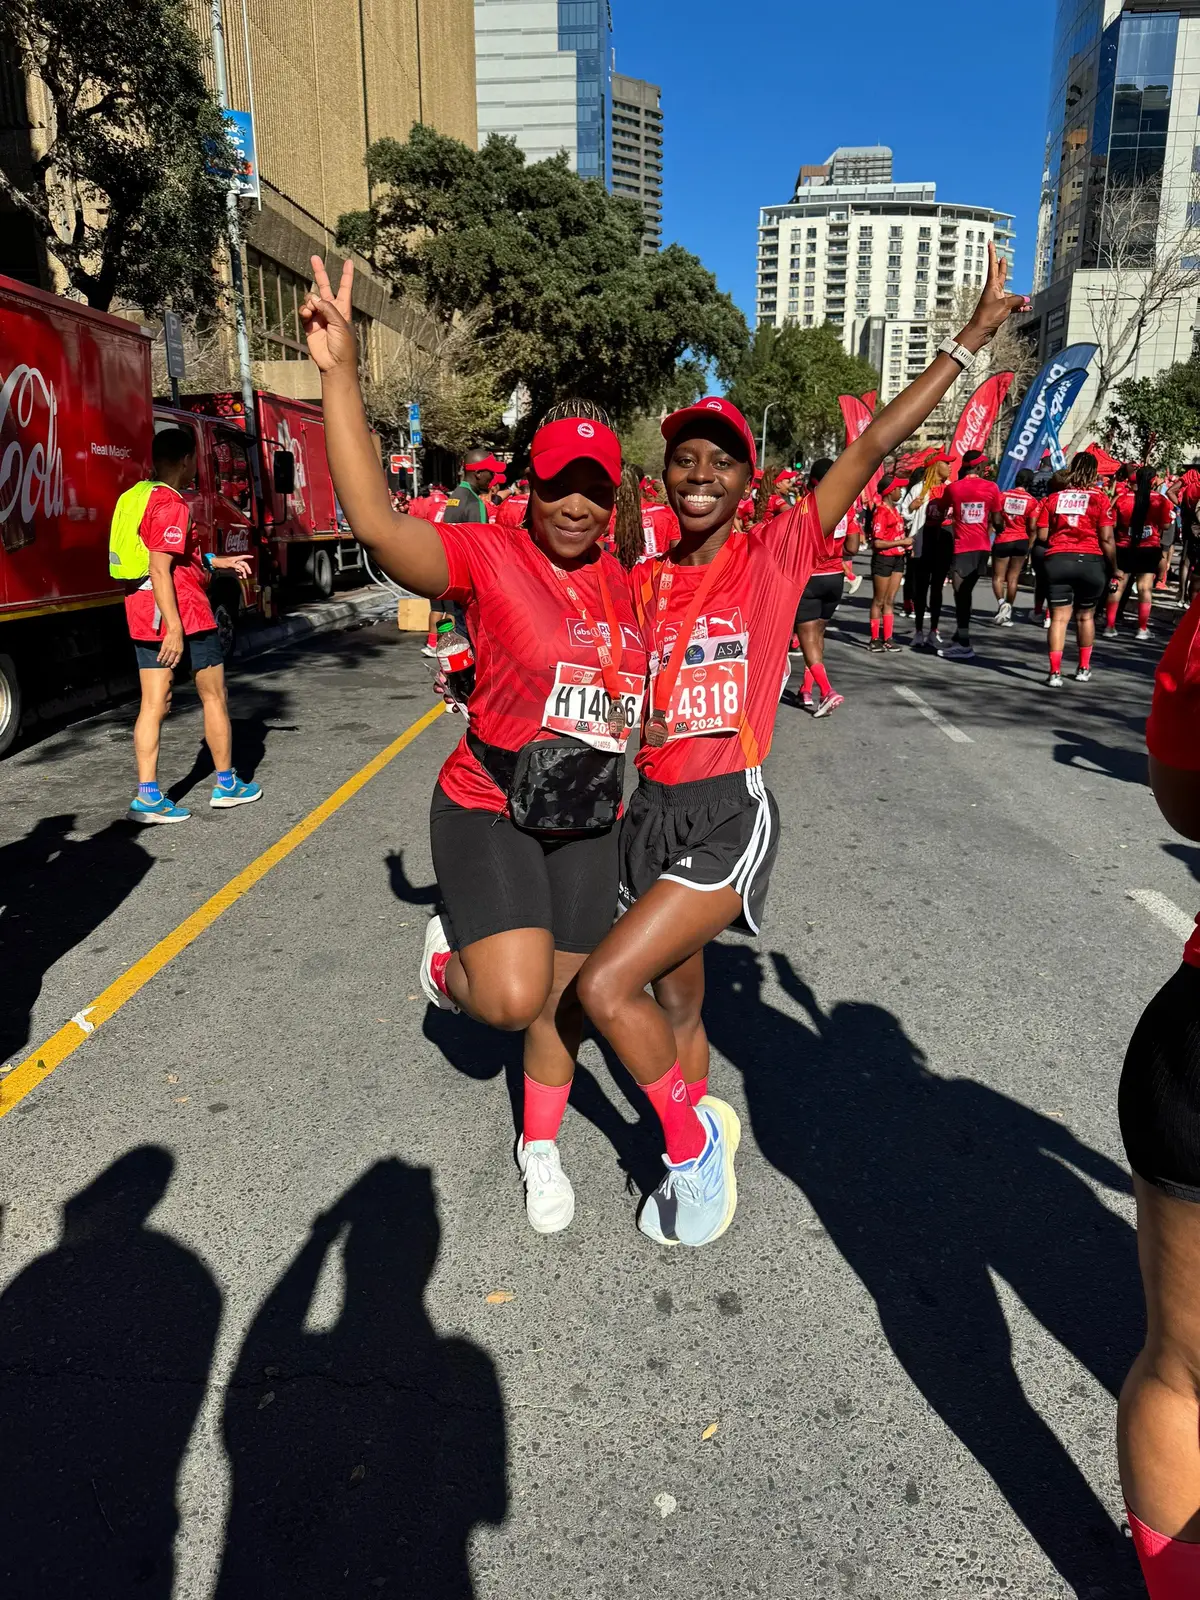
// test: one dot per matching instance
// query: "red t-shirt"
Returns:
(1074, 518)
(973, 503)
(523, 625)
(1173, 731)
(744, 631)
(660, 527)
(167, 525)
(1158, 518)
(511, 512)
(831, 562)
(887, 526)
(1015, 507)
(746, 509)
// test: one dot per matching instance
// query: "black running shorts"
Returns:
(494, 878)
(1137, 559)
(715, 833)
(971, 563)
(821, 596)
(200, 651)
(886, 566)
(1159, 1099)
(1012, 547)
(1076, 580)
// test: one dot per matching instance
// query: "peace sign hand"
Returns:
(328, 327)
(996, 305)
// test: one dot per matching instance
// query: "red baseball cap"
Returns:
(575, 439)
(788, 475)
(712, 406)
(488, 464)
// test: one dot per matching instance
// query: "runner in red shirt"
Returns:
(1075, 525)
(973, 512)
(1142, 517)
(820, 600)
(701, 832)
(892, 543)
(1159, 1419)
(1019, 514)
(513, 507)
(660, 528)
(933, 548)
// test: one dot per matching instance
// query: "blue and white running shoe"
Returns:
(695, 1202)
(160, 810)
(237, 794)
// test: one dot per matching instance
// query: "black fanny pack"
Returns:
(555, 786)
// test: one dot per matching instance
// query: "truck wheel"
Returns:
(10, 703)
(321, 572)
(225, 610)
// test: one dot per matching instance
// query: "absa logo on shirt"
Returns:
(173, 535)
(586, 431)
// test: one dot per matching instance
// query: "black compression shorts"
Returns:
(971, 563)
(494, 878)
(1076, 580)
(714, 833)
(1159, 1099)
(821, 596)
(1011, 547)
(886, 566)
(1136, 559)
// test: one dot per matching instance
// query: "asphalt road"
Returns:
(272, 1324)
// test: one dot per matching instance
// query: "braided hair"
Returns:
(1144, 482)
(630, 540)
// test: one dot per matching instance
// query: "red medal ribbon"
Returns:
(610, 654)
(666, 679)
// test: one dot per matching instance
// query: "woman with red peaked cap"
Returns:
(523, 825)
(700, 834)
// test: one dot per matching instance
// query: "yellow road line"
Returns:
(30, 1072)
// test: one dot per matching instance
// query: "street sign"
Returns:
(244, 177)
(414, 416)
(415, 435)
(400, 463)
(173, 338)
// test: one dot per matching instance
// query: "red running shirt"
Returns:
(888, 525)
(1015, 507)
(828, 565)
(753, 604)
(973, 503)
(660, 527)
(511, 512)
(1173, 732)
(1074, 518)
(1159, 517)
(167, 525)
(521, 623)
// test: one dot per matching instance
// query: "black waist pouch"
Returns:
(555, 786)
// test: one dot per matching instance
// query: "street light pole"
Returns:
(762, 454)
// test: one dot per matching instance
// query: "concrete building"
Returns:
(1124, 112)
(329, 78)
(637, 150)
(853, 163)
(885, 264)
(544, 78)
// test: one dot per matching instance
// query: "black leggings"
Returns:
(1041, 584)
(964, 590)
(929, 576)
(1159, 1097)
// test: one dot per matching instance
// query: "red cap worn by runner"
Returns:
(556, 445)
(713, 406)
(488, 464)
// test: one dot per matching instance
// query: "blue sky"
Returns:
(752, 91)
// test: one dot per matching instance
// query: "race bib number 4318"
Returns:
(578, 704)
(710, 694)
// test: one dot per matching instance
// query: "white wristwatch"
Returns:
(957, 352)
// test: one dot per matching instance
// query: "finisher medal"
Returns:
(616, 718)
(656, 730)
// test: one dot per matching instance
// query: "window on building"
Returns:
(793, 277)
(893, 275)
(274, 295)
(925, 233)
(893, 261)
(810, 277)
(808, 321)
(922, 277)
(812, 233)
(895, 233)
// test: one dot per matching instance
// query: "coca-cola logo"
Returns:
(974, 425)
(31, 470)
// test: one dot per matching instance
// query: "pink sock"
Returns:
(1110, 615)
(697, 1091)
(822, 677)
(806, 687)
(889, 622)
(1056, 661)
(682, 1128)
(1085, 657)
(438, 963)
(1170, 1567)
(874, 627)
(544, 1107)
(431, 641)
(1143, 613)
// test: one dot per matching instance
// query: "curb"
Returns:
(329, 616)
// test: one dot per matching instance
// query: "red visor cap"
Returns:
(488, 464)
(575, 439)
(713, 406)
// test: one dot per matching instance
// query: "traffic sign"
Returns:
(173, 338)
(400, 463)
(414, 415)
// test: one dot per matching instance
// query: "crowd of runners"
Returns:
(588, 601)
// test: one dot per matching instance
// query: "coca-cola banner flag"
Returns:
(856, 415)
(1029, 437)
(979, 415)
(870, 399)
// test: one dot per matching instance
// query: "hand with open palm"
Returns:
(327, 319)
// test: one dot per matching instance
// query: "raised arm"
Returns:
(406, 548)
(859, 462)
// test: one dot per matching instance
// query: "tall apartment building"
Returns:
(637, 150)
(883, 263)
(544, 78)
(1124, 112)
(850, 163)
(329, 79)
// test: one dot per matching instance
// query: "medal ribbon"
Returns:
(610, 654)
(667, 677)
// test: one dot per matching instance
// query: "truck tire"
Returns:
(226, 609)
(10, 703)
(320, 571)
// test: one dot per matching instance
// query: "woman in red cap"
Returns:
(700, 834)
(523, 821)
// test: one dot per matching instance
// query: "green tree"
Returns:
(552, 266)
(120, 195)
(1156, 420)
(799, 372)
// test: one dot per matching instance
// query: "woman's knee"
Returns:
(512, 1002)
(601, 991)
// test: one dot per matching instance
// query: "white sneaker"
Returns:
(1083, 675)
(1046, 623)
(1054, 681)
(436, 943)
(549, 1197)
(855, 583)
(1003, 614)
(957, 652)
(1142, 635)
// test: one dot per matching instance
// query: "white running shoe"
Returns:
(855, 583)
(1142, 635)
(436, 943)
(1046, 623)
(957, 652)
(549, 1197)
(1054, 681)
(1083, 674)
(1003, 614)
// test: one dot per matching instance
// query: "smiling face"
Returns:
(570, 511)
(707, 474)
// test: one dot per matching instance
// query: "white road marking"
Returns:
(956, 735)
(1165, 910)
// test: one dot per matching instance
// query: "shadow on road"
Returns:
(364, 1447)
(1189, 854)
(411, 894)
(105, 1346)
(54, 892)
(253, 715)
(927, 1185)
(1075, 749)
